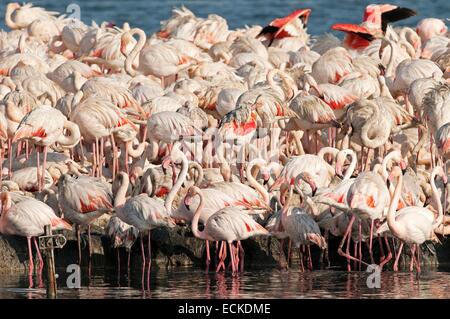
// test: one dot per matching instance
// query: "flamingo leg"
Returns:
(300, 257)
(38, 172)
(208, 257)
(397, 258)
(341, 244)
(418, 258)
(413, 253)
(360, 243)
(41, 263)
(233, 261)
(355, 252)
(44, 163)
(127, 167)
(30, 263)
(241, 256)
(371, 242)
(94, 159)
(10, 158)
(309, 257)
(149, 247)
(128, 263)
(102, 156)
(289, 252)
(77, 227)
(143, 261)
(382, 257)
(389, 256)
(347, 250)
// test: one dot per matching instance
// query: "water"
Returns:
(271, 283)
(147, 14)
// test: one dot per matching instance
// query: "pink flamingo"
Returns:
(27, 218)
(44, 126)
(228, 224)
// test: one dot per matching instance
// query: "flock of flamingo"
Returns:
(254, 131)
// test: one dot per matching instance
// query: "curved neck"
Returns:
(8, 20)
(327, 150)
(352, 166)
(6, 203)
(194, 223)
(137, 48)
(384, 90)
(121, 193)
(390, 65)
(180, 180)
(386, 160)
(253, 182)
(437, 200)
(74, 134)
(136, 152)
(392, 223)
(381, 135)
(196, 166)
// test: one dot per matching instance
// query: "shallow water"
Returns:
(195, 283)
(147, 14)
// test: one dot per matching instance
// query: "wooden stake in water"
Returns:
(50, 262)
(48, 243)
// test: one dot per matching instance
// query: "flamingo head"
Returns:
(307, 178)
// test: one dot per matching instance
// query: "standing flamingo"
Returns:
(27, 218)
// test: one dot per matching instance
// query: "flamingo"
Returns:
(83, 200)
(121, 235)
(288, 26)
(27, 218)
(143, 212)
(413, 224)
(228, 224)
(37, 128)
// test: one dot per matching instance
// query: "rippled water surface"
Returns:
(195, 283)
(147, 14)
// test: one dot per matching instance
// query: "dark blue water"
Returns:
(147, 14)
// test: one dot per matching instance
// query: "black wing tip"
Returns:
(268, 30)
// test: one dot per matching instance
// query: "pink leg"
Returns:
(397, 258)
(310, 258)
(371, 242)
(241, 256)
(360, 244)
(233, 262)
(418, 258)
(208, 257)
(382, 257)
(10, 157)
(44, 163)
(347, 250)
(389, 256)
(41, 262)
(30, 263)
(143, 261)
(355, 253)
(222, 256)
(347, 234)
(94, 160)
(38, 172)
(149, 259)
(413, 253)
(289, 252)
(300, 257)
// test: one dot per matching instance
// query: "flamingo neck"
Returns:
(120, 197)
(254, 183)
(8, 20)
(74, 134)
(392, 223)
(194, 223)
(137, 48)
(437, 200)
(180, 180)
(352, 166)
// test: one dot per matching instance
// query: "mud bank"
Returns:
(177, 247)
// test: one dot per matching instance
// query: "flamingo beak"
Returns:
(304, 16)
(339, 170)
(403, 166)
